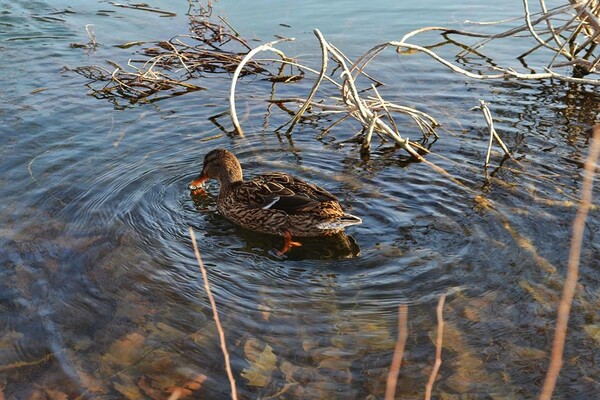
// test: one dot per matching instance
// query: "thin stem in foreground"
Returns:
(392, 378)
(438, 347)
(215, 315)
(560, 334)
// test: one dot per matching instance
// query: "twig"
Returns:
(554, 32)
(392, 378)
(313, 90)
(300, 66)
(236, 74)
(589, 24)
(352, 98)
(364, 110)
(532, 29)
(560, 333)
(170, 64)
(91, 32)
(387, 111)
(489, 148)
(493, 134)
(504, 72)
(353, 95)
(366, 143)
(142, 7)
(590, 17)
(215, 315)
(564, 27)
(438, 347)
(229, 25)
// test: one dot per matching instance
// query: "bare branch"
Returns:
(236, 74)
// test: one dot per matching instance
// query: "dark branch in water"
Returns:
(171, 67)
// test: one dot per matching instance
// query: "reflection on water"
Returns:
(100, 294)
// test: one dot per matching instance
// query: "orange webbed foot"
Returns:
(288, 243)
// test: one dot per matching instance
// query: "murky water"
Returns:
(100, 293)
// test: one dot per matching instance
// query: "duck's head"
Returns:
(221, 165)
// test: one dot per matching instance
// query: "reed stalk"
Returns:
(564, 307)
(438, 347)
(392, 378)
(213, 305)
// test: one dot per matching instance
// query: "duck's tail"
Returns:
(341, 222)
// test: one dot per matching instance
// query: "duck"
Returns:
(274, 203)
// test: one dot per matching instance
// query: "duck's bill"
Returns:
(197, 183)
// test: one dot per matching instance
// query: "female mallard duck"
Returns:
(273, 203)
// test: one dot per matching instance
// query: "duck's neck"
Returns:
(231, 179)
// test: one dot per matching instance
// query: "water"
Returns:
(101, 296)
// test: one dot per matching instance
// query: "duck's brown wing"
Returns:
(281, 191)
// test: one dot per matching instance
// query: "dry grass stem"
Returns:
(493, 134)
(213, 305)
(364, 109)
(366, 144)
(560, 334)
(505, 73)
(92, 44)
(438, 347)
(532, 29)
(392, 378)
(173, 67)
(299, 66)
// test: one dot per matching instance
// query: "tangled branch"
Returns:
(366, 109)
(172, 66)
(582, 26)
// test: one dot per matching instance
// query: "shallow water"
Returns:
(101, 295)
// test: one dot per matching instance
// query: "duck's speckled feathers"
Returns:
(281, 191)
(275, 202)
